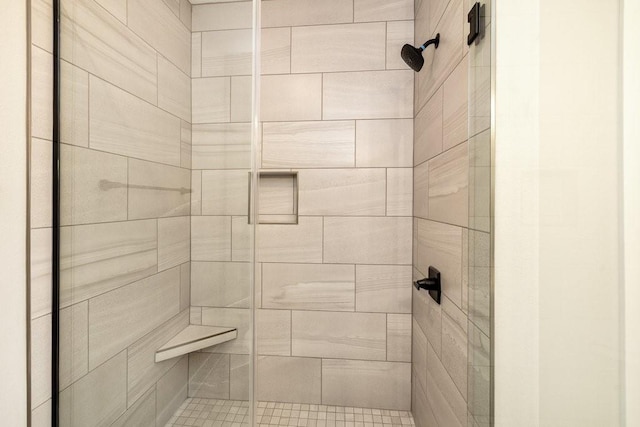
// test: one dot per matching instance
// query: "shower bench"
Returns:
(194, 338)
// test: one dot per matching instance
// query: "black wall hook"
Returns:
(431, 284)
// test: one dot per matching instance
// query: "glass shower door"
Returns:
(156, 246)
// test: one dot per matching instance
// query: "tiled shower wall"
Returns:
(450, 364)
(125, 198)
(333, 290)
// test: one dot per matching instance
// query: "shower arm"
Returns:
(435, 41)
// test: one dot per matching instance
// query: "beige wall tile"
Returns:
(122, 124)
(480, 280)
(383, 288)
(399, 33)
(242, 239)
(171, 391)
(226, 53)
(207, 108)
(40, 362)
(196, 55)
(120, 317)
(222, 156)
(366, 384)
(74, 109)
(383, 10)
(40, 268)
(449, 407)
(384, 143)
(162, 29)
(239, 318)
(239, 377)
(42, 24)
(98, 397)
(440, 245)
(289, 379)
(185, 286)
(241, 99)
(291, 243)
(285, 13)
(419, 355)
(339, 335)
(428, 130)
(117, 8)
(41, 94)
(185, 13)
(142, 413)
(225, 192)
(94, 40)
(454, 344)
(342, 192)
(358, 240)
(173, 241)
(421, 191)
(449, 186)
(209, 375)
(399, 192)
(185, 143)
(41, 171)
(93, 186)
(174, 90)
(157, 190)
(224, 16)
(399, 337)
(275, 51)
(480, 182)
(220, 284)
(222, 134)
(291, 97)
(143, 371)
(308, 144)
(349, 47)
(211, 238)
(368, 95)
(428, 315)
(41, 416)
(196, 192)
(273, 332)
(308, 286)
(74, 343)
(195, 315)
(98, 258)
(455, 111)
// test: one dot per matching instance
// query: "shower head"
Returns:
(413, 55)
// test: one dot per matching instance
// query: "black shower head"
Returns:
(413, 55)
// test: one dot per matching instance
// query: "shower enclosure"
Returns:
(246, 191)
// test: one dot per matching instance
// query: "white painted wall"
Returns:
(13, 212)
(558, 209)
(632, 207)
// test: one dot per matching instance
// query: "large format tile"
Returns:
(220, 284)
(309, 144)
(206, 108)
(122, 124)
(308, 286)
(273, 332)
(291, 243)
(349, 47)
(159, 27)
(428, 315)
(117, 8)
(241, 99)
(225, 192)
(339, 335)
(428, 130)
(41, 171)
(420, 409)
(209, 375)
(211, 238)
(222, 156)
(174, 90)
(99, 397)
(157, 190)
(289, 379)
(42, 24)
(385, 385)
(421, 191)
(143, 371)
(342, 192)
(419, 355)
(368, 95)
(440, 246)
(291, 97)
(242, 239)
(449, 186)
(239, 376)
(239, 318)
(222, 134)
(40, 361)
(41, 94)
(223, 16)
(98, 258)
(455, 120)
(454, 344)
(383, 288)
(171, 391)
(399, 337)
(226, 53)
(74, 343)
(367, 240)
(449, 407)
(384, 143)
(97, 42)
(286, 13)
(196, 55)
(275, 51)
(383, 10)
(141, 413)
(399, 33)
(40, 268)
(399, 192)
(74, 105)
(173, 241)
(93, 186)
(120, 317)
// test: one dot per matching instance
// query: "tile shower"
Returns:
(388, 170)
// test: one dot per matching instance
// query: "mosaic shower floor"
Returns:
(235, 413)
